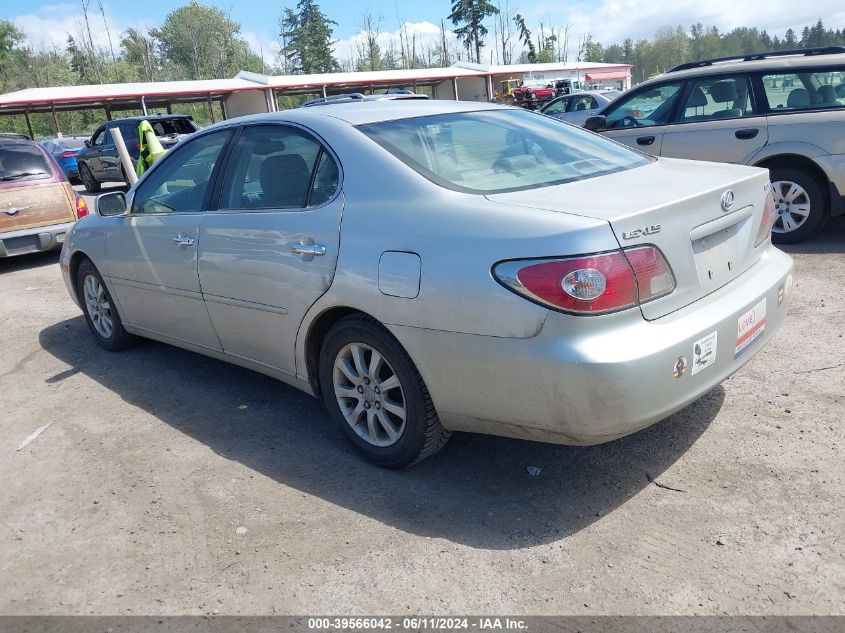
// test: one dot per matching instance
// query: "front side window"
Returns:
(557, 107)
(722, 97)
(496, 151)
(180, 183)
(99, 137)
(805, 90)
(652, 106)
(273, 167)
(585, 102)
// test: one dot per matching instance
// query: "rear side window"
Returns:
(165, 127)
(496, 151)
(278, 167)
(23, 162)
(805, 90)
(722, 97)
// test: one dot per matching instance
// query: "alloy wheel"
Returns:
(98, 307)
(369, 394)
(792, 206)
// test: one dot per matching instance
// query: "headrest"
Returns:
(697, 98)
(827, 93)
(798, 98)
(723, 91)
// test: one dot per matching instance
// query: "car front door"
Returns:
(152, 253)
(94, 151)
(640, 118)
(270, 249)
(717, 121)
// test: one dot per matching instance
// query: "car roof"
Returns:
(149, 117)
(754, 63)
(6, 141)
(362, 112)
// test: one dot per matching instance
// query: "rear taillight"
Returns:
(592, 284)
(81, 207)
(766, 221)
(67, 154)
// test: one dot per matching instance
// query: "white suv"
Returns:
(784, 111)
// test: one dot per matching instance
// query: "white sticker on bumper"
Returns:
(750, 326)
(704, 352)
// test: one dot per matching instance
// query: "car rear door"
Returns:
(640, 119)
(270, 249)
(152, 252)
(717, 121)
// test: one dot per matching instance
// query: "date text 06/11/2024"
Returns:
(419, 623)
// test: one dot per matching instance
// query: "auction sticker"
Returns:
(704, 352)
(749, 326)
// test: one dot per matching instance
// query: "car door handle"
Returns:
(746, 134)
(183, 240)
(315, 250)
(645, 140)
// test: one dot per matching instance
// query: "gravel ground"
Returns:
(169, 483)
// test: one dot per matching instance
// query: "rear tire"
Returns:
(100, 311)
(800, 205)
(376, 396)
(88, 181)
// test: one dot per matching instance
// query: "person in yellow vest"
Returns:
(150, 147)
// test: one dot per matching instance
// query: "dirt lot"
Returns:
(170, 483)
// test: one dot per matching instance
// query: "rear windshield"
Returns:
(173, 126)
(71, 142)
(23, 162)
(499, 151)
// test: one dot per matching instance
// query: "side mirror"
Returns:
(110, 205)
(87, 142)
(596, 123)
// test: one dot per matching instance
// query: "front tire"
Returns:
(88, 181)
(800, 205)
(376, 396)
(100, 311)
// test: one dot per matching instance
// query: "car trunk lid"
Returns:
(675, 205)
(31, 206)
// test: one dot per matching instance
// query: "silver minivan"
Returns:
(784, 111)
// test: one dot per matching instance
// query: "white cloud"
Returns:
(262, 44)
(423, 34)
(614, 20)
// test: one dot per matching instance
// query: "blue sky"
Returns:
(46, 22)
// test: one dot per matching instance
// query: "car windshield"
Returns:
(499, 151)
(22, 162)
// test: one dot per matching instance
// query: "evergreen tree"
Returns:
(307, 39)
(471, 14)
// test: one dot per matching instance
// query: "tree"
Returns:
(524, 36)
(202, 42)
(369, 51)
(307, 39)
(471, 14)
(10, 39)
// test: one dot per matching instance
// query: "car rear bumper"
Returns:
(42, 238)
(586, 380)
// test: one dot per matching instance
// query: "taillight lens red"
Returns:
(654, 277)
(67, 154)
(767, 221)
(81, 207)
(593, 284)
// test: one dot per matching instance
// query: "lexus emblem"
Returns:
(727, 200)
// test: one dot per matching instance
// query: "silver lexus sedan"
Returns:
(429, 266)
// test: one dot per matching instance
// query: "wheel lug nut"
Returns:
(377, 390)
(378, 405)
(366, 381)
(366, 405)
(360, 389)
